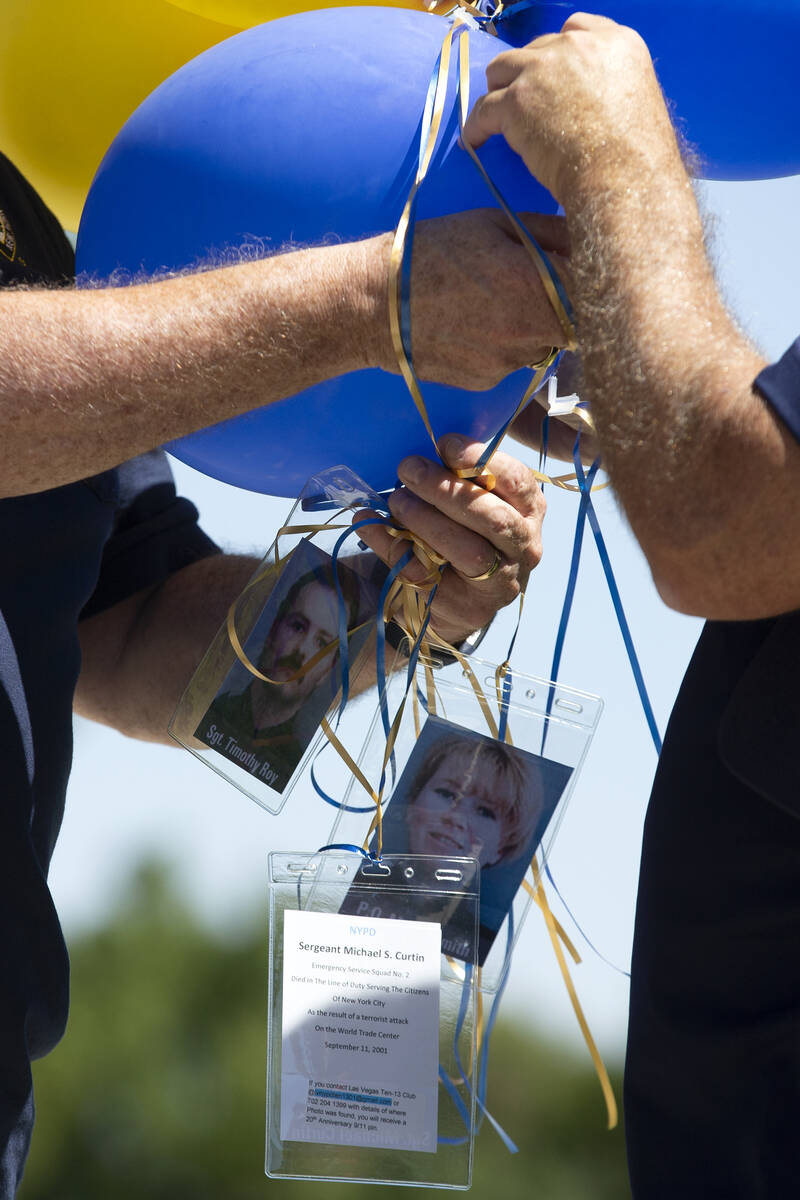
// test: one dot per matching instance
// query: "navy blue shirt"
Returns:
(66, 554)
(779, 384)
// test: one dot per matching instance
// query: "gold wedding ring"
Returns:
(498, 558)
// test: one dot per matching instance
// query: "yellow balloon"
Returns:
(71, 73)
(246, 13)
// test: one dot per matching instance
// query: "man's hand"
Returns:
(478, 307)
(667, 373)
(138, 656)
(577, 105)
(471, 528)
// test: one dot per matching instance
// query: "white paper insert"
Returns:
(360, 1046)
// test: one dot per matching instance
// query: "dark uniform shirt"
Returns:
(66, 553)
(779, 384)
(712, 1086)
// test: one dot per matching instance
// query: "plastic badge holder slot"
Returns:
(321, 498)
(425, 889)
(540, 714)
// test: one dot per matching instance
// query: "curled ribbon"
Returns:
(400, 259)
(400, 324)
(409, 604)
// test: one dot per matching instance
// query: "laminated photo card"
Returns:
(297, 639)
(463, 793)
(265, 725)
(475, 769)
(372, 1042)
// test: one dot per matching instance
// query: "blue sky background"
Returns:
(128, 801)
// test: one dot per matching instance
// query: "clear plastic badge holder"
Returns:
(315, 593)
(453, 786)
(372, 1036)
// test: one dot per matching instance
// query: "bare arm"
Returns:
(706, 472)
(91, 378)
(138, 656)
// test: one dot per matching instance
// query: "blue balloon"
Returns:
(299, 130)
(729, 67)
(306, 128)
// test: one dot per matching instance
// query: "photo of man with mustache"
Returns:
(265, 726)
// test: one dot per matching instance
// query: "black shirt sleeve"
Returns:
(155, 531)
(779, 384)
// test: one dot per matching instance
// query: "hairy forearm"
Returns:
(706, 473)
(690, 446)
(90, 378)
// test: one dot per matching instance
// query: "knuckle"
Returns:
(523, 492)
(533, 555)
(520, 485)
(414, 572)
(494, 72)
(631, 38)
(370, 538)
(501, 525)
(515, 99)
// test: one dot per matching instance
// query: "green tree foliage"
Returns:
(157, 1092)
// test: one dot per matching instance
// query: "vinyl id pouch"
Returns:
(371, 1036)
(291, 651)
(481, 767)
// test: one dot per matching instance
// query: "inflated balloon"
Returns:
(72, 71)
(728, 66)
(299, 130)
(305, 128)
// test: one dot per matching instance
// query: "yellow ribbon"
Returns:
(534, 253)
(405, 604)
(233, 634)
(557, 933)
(555, 939)
(480, 474)
(564, 481)
(401, 234)
(406, 599)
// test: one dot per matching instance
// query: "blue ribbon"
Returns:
(367, 808)
(380, 634)
(586, 511)
(405, 269)
(569, 594)
(369, 855)
(587, 940)
(483, 1069)
(616, 599)
(521, 230)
